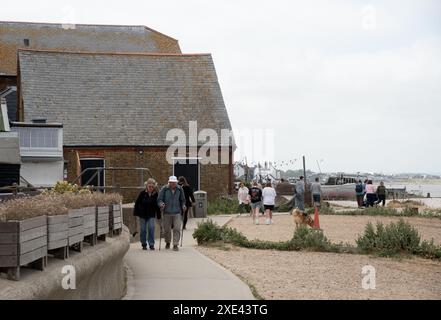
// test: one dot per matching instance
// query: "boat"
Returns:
(340, 187)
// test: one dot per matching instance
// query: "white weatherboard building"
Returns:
(41, 151)
(30, 153)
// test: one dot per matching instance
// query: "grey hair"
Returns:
(152, 182)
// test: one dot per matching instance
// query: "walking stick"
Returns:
(160, 232)
(182, 229)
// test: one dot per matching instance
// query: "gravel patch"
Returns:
(309, 275)
(313, 275)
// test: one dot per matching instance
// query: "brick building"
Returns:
(117, 109)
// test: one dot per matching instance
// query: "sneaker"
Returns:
(256, 221)
(144, 247)
(271, 221)
(175, 248)
(267, 221)
(167, 246)
(152, 247)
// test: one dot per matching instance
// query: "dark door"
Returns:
(98, 180)
(9, 174)
(188, 169)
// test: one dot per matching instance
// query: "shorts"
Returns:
(316, 197)
(269, 207)
(255, 205)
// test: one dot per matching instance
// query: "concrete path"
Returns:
(183, 275)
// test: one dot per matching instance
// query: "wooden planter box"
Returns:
(115, 219)
(89, 221)
(23, 243)
(102, 222)
(76, 229)
(58, 236)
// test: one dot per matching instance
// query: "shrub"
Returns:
(393, 239)
(62, 187)
(303, 239)
(311, 239)
(429, 250)
(208, 232)
(223, 206)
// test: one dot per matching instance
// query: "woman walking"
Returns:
(371, 194)
(189, 198)
(269, 200)
(243, 198)
(147, 209)
(256, 201)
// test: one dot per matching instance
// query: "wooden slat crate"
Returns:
(102, 222)
(76, 229)
(115, 219)
(58, 236)
(23, 243)
(89, 220)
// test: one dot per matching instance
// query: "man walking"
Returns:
(316, 190)
(171, 199)
(299, 195)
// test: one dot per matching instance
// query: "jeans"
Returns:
(360, 200)
(316, 198)
(300, 202)
(149, 224)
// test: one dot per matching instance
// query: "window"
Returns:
(26, 42)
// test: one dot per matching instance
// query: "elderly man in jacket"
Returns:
(171, 200)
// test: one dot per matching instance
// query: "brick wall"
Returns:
(215, 179)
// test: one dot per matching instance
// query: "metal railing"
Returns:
(99, 170)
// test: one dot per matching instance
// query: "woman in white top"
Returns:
(269, 198)
(243, 198)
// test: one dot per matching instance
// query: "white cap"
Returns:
(172, 179)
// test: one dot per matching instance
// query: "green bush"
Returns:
(311, 239)
(208, 232)
(393, 239)
(322, 210)
(223, 206)
(429, 250)
(303, 239)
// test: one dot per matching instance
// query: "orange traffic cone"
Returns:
(316, 219)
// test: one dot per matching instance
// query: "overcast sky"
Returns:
(356, 84)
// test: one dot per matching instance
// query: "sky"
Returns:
(354, 86)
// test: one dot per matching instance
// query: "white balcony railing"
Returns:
(40, 141)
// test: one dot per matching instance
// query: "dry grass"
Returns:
(53, 204)
(29, 207)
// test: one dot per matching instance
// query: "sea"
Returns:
(419, 189)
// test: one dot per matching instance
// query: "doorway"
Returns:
(98, 180)
(188, 168)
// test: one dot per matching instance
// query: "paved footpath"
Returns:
(183, 275)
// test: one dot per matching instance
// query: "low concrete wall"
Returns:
(100, 274)
(131, 222)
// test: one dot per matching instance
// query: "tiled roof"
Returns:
(121, 99)
(106, 38)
